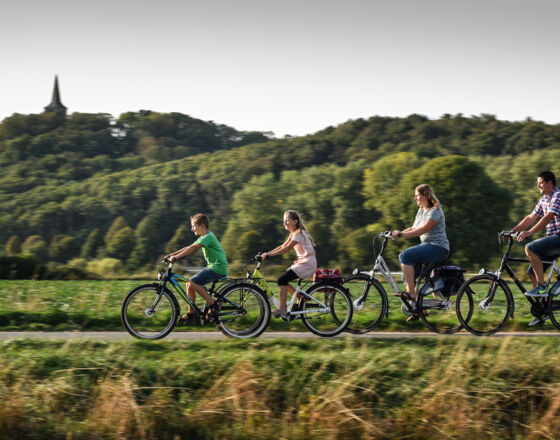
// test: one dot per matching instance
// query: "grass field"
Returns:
(433, 388)
(95, 305)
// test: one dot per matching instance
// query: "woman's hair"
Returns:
(427, 191)
(296, 217)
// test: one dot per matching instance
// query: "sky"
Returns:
(292, 67)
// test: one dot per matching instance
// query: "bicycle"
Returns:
(434, 305)
(493, 300)
(150, 311)
(324, 307)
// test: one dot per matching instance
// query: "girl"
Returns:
(430, 226)
(306, 263)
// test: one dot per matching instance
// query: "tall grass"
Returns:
(458, 388)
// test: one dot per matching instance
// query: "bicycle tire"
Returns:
(328, 311)
(144, 321)
(480, 317)
(553, 306)
(245, 313)
(439, 311)
(369, 302)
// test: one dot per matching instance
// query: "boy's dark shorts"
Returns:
(206, 276)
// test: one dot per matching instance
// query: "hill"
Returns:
(90, 186)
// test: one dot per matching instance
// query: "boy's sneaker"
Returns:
(537, 292)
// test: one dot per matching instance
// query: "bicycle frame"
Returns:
(175, 279)
(380, 267)
(504, 266)
(258, 279)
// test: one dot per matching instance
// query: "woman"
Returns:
(429, 225)
(306, 263)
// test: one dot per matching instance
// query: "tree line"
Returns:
(114, 194)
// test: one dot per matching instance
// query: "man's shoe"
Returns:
(537, 292)
(538, 320)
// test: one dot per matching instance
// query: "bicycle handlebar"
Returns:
(386, 234)
(510, 234)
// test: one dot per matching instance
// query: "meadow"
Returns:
(425, 388)
(95, 305)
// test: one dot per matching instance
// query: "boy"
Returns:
(215, 258)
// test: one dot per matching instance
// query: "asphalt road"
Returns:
(206, 336)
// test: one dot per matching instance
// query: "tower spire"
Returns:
(56, 104)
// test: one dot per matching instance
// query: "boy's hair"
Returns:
(548, 176)
(201, 219)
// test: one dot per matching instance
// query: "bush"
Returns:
(105, 267)
(22, 267)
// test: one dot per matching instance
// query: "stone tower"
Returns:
(56, 105)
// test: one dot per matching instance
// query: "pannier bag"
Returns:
(453, 277)
(327, 275)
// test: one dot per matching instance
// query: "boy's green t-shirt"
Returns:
(213, 253)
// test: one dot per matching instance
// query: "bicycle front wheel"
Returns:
(553, 305)
(369, 302)
(327, 309)
(149, 312)
(484, 304)
(244, 311)
(439, 312)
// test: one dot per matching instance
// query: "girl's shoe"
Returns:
(281, 314)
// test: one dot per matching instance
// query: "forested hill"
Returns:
(90, 187)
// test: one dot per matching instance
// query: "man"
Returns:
(547, 212)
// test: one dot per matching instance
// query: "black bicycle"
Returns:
(435, 304)
(150, 311)
(491, 302)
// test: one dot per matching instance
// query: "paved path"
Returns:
(206, 336)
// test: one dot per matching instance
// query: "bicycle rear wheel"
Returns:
(484, 304)
(244, 311)
(369, 302)
(149, 312)
(328, 309)
(439, 312)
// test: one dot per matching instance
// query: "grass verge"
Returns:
(433, 388)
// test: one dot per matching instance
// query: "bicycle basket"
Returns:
(453, 277)
(327, 275)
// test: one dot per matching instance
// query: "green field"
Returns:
(427, 388)
(95, 305)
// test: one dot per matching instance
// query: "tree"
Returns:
(148, 244)
(63, 248)
(121, 243)
(475, 207)
(93, 242)
(35, 245)
(117, 225)
(13, 246)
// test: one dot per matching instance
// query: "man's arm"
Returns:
(541, 224)
(526, 222)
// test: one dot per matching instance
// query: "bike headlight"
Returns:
(159, 275)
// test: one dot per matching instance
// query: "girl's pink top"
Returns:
(306, 263)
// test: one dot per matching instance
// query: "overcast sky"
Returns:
(287, 66)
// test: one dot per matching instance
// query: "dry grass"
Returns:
(449, 388)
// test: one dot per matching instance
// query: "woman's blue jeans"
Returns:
(423, 253)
